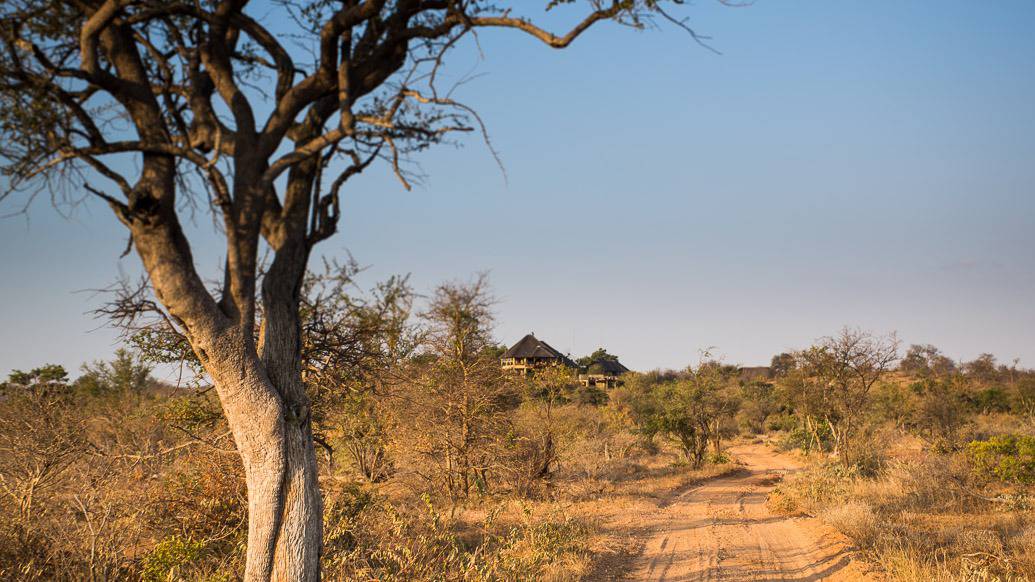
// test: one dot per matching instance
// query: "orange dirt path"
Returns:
(722, 530)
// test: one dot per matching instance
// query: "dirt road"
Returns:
(722, 530)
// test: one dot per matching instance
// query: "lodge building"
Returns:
(531, 353)
(603, 374)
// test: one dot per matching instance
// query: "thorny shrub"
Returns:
(1008, 458)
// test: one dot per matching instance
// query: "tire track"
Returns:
(722, 530)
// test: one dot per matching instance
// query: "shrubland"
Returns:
(434, 464)
(937, 485)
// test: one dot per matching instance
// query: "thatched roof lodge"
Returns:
(530, 353)
(603, 372)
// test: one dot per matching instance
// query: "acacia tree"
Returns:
(534, 449)
(157, 106)
(926, 361)
(461, 395)
(692, 410)
(835, 378)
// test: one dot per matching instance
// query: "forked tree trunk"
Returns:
(259, 385)
(274, 437)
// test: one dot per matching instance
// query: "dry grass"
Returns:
(855, 519)
(922, 518)
(181, 515)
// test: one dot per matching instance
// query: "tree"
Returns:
(683, 417)
(351, 342)
(149, 106)
(982, 368)
(49, 379)
(127, 374)
(459, 395)
(599, 355)
(781, 364)
(644, 409)
(941, 410)
(758, 403)
(690, 411)
(1025, 399)
(926, 360)
(807, 397)
(720, 382)
(534, 445)
(835, 381)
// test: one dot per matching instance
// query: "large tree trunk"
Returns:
(297, 552)
(274, 437)
(260, 389)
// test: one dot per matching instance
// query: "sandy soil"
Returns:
(722, 530)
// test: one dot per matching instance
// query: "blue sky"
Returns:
(841, 163)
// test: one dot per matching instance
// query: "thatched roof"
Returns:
(533, 347)
(606, 368)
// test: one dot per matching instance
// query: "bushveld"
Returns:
(434, 465)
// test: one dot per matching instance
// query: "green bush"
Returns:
(1008, 458)
(993, 399)
(169, 557)
(783, 421)
(801, 439)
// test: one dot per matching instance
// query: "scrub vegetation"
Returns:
(939, 484)
(435, 464)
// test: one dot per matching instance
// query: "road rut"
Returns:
(722, 530)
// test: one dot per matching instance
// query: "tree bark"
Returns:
(297, 552)
(265, 405)
(260, 386)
